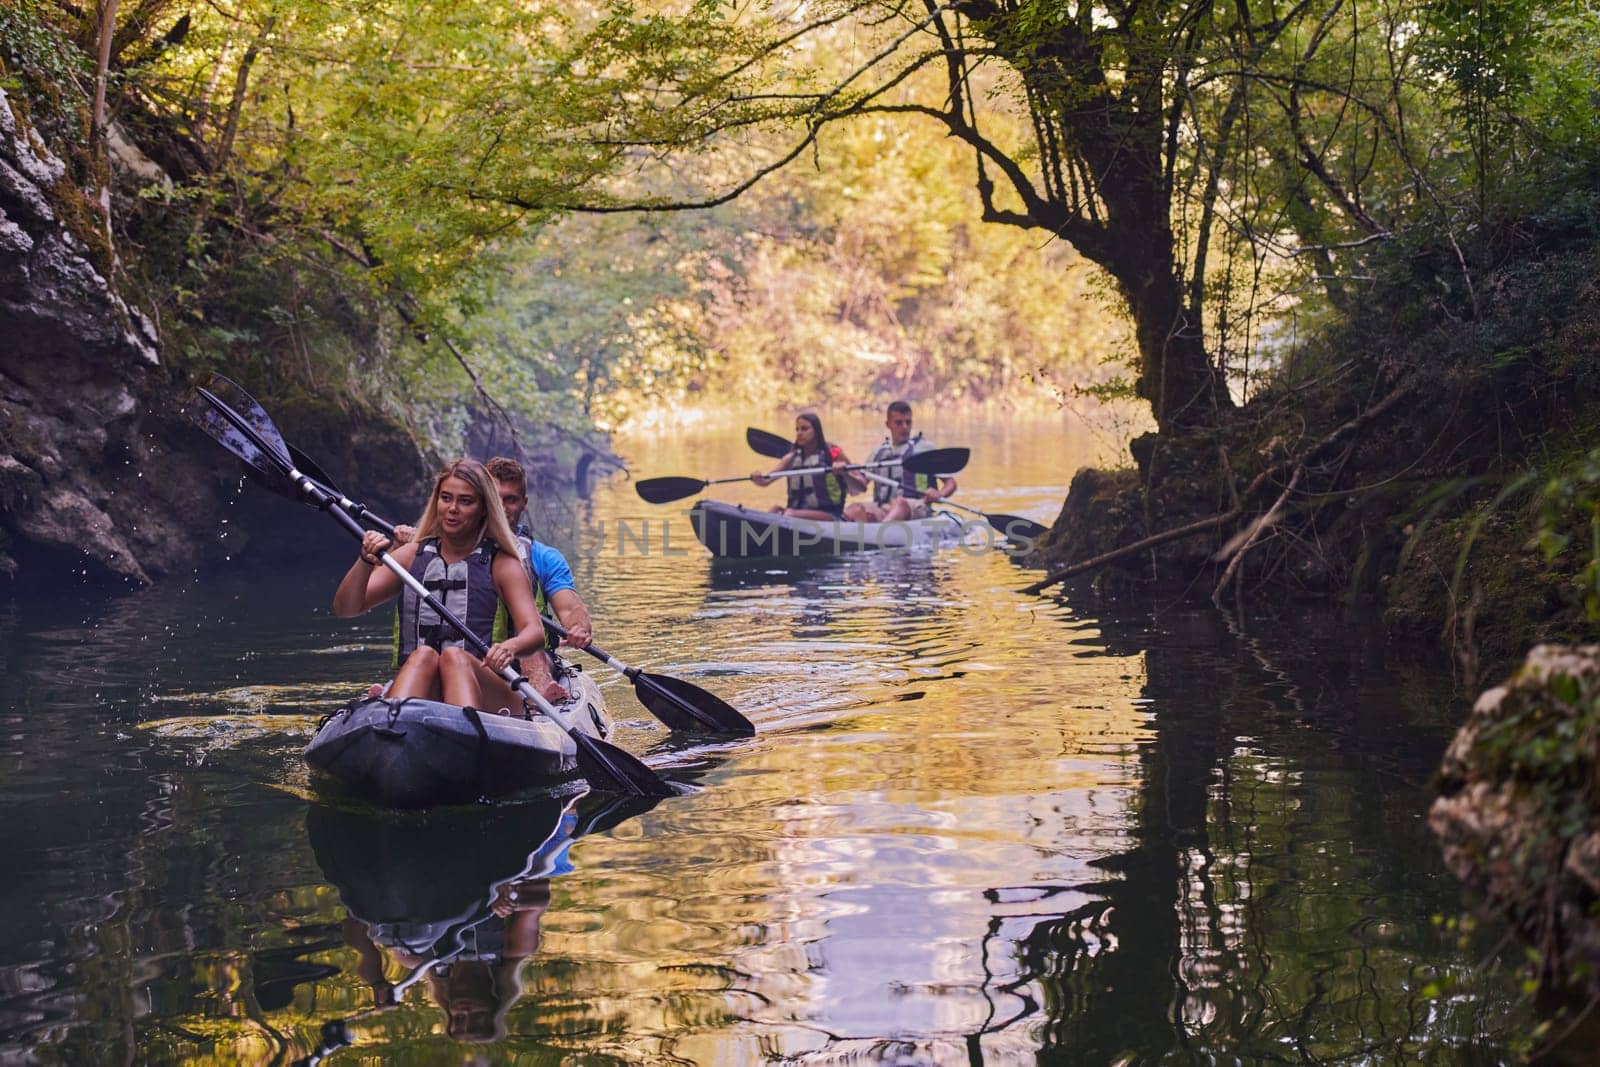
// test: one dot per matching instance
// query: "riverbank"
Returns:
(1403, 460)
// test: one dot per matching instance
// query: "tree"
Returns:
(1148, 126)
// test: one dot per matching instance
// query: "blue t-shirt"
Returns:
(548, 565)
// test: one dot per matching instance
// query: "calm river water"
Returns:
(975, 827)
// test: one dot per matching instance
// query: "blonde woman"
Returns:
(465, 553)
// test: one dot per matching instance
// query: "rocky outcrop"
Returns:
(75, 357)
(102, 479)
(1518, 810)
(1176, 483)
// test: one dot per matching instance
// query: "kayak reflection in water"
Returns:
(453, 902)
(473, 973)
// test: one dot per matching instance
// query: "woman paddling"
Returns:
(465, 553)
(814, 496)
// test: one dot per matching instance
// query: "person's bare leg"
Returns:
(418, 676)
(810, 513)
(899, 510)
(863, 512)
(459, 676)
(497, 695)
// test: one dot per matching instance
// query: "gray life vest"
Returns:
(818, 492)
(914, 484)
(467, 589)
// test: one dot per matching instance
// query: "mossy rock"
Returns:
(1518, 810)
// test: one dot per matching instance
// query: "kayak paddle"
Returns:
(680, 705)
(672, 487)
(933, 461)
(261, 446)
(770, 444)
(1010, 525)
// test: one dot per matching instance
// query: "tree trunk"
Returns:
(98, 122)
(1176, 373)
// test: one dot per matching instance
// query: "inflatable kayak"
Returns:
(732, 531)
(416, 753)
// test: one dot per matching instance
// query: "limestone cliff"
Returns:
(101, 476)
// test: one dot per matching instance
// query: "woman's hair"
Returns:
(816, 431)
(475, 474)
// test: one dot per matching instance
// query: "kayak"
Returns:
(417, 753)
(732, 531)
(439, 867)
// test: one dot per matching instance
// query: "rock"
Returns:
(1516, 812)
(131, 160)
(75, 357)
(102, 477)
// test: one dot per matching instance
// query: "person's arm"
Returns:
(522, 927)
(554, 575)
(946, 488)
(853, 481)
(762, 478)
(367, 583)
(511, 582)
(573, 614)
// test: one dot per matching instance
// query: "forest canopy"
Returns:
(974, 198)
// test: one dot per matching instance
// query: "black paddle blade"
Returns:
(685, 706)
(600, 816)
(938, 461)
(608, 767)
(263, 468)
(244, 405)
(768, 444)
(306, 465)
(1017, 526)
(666, 490)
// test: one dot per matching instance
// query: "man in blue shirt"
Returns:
(551, 575)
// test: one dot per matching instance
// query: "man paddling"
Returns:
(552, 577)
(911, 496)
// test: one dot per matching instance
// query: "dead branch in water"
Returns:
(1296, 467)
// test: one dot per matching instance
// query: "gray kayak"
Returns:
(732, 531)
(417, 753)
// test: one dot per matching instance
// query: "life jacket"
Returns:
(467, 589)
(916, 484)
(541, 603)
(818, 492)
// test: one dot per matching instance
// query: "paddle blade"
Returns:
(263, 469)
(938, 461)
(768, 444)
(1015, 526)
(306, 465)
(666, 490)
(608, 767)
(685, 706)
(242, 404)
(600, 816)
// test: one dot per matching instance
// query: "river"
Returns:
(974, 826)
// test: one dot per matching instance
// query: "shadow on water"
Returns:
(1277, 837)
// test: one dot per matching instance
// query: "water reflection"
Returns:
(974, 827)
(1258, 888)
(452, 901)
